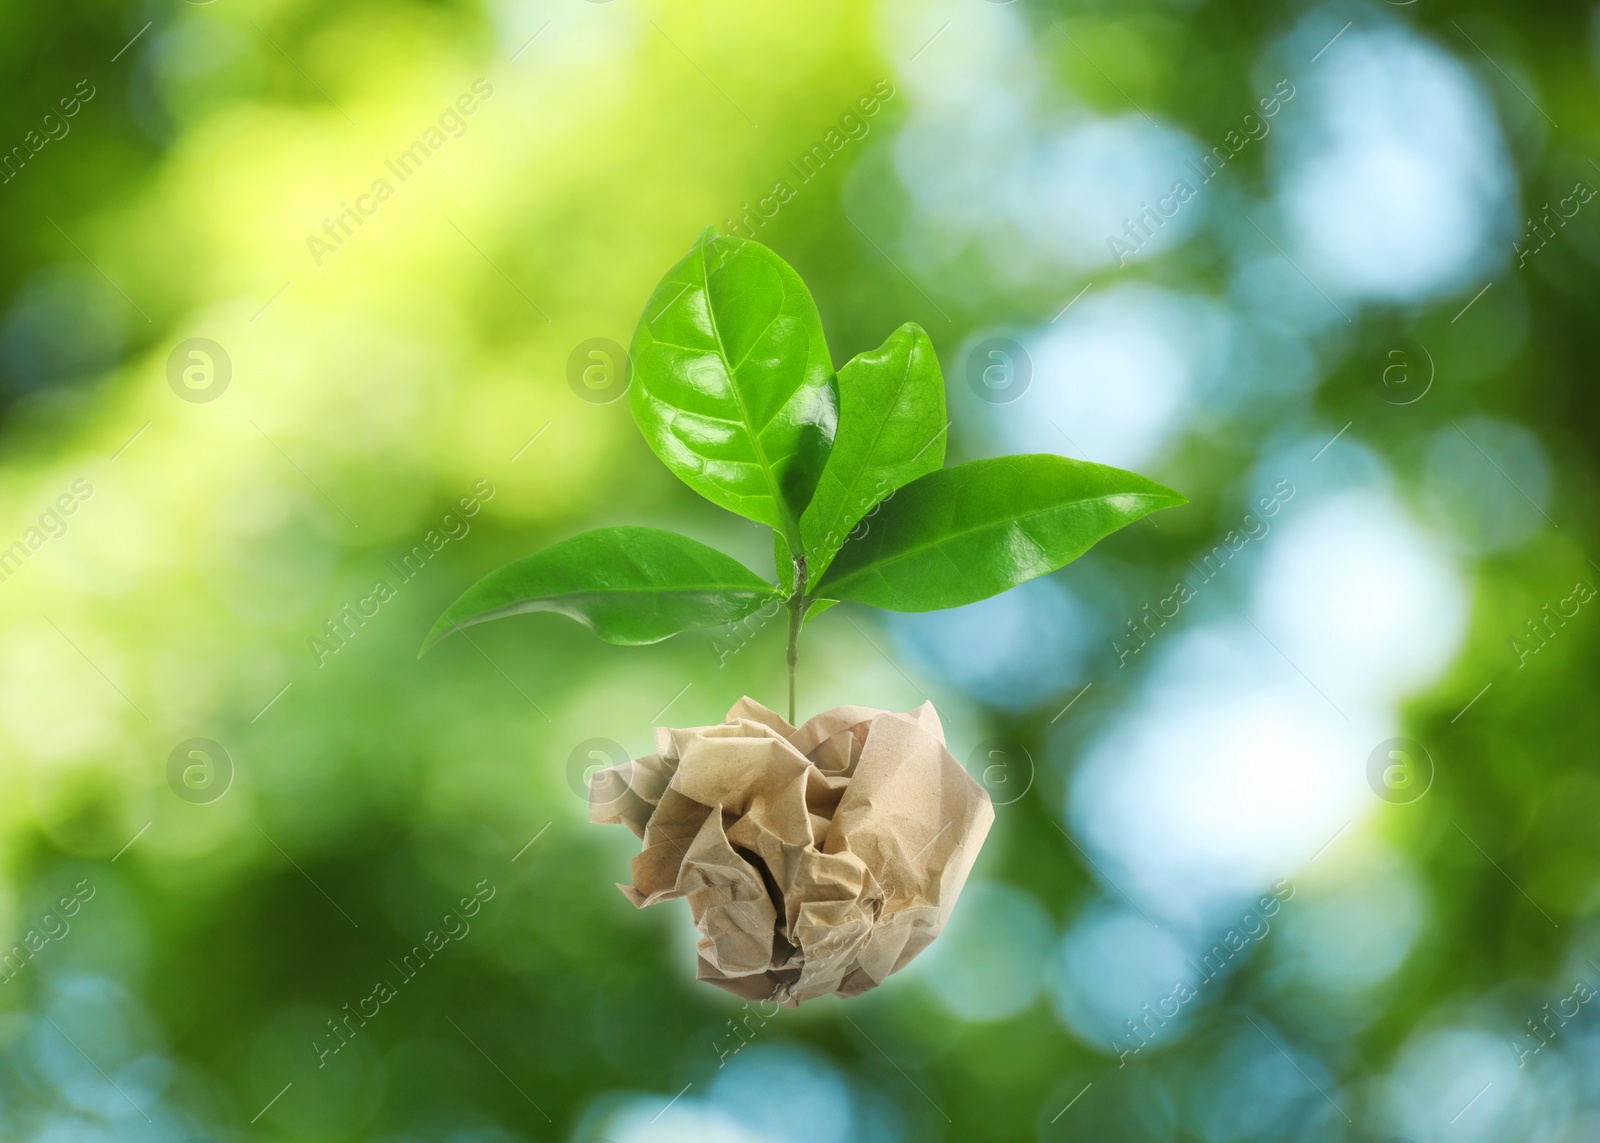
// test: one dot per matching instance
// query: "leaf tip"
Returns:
(440, 630)
(1163, 497)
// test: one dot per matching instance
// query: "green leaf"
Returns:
(891, 431)
(631, 585)
(965, 533)
(815, 608)
(732, 385)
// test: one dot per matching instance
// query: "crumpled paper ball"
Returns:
(814, 861)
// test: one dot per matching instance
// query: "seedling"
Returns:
(735, 392)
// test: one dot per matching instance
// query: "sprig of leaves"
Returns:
(734, 391)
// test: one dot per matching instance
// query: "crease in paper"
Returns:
(815, 860)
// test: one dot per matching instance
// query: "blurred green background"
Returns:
(1361, 341)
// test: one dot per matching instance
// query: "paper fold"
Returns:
(816, 859)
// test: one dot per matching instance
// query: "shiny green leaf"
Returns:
(732, 385)
(891, 431)
(631, 585)
(963, 534)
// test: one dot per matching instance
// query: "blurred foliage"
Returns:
(368, 395)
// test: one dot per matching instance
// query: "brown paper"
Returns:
(815, 861)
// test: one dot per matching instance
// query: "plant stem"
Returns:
(797, 614)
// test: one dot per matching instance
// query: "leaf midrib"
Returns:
(949, 536)
(883, 426)
(773, 490)
(533, 602)
(675, 589)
